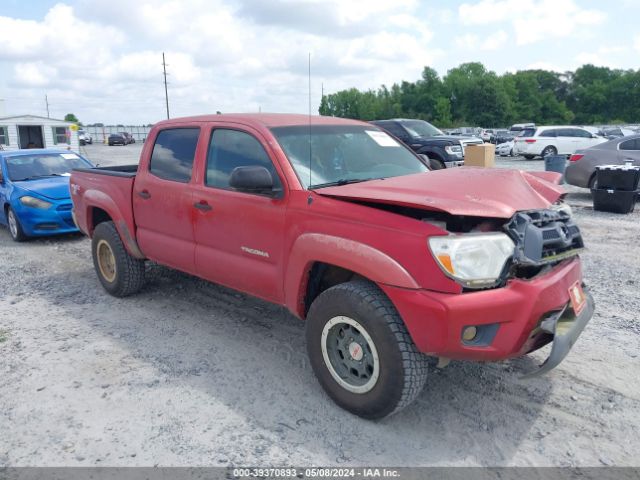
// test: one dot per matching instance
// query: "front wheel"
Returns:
(15, 229)
(119, 273)
(361, 352)
(436, 164)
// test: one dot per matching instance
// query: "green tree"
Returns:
(470, 94)
(70, 117)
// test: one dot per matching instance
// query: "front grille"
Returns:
(543, 237)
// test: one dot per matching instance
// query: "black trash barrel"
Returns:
(618, 177)
(555, 163)
(617, 187)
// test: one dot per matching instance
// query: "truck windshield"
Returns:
(420, 128)
(324, 155)
(27, 167)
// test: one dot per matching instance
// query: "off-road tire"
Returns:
(402, 368)
(18, 234)
(129, 271)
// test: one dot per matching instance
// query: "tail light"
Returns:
(530, 140)
(575, 157)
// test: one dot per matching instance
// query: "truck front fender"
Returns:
(357, 257)
(97, 199)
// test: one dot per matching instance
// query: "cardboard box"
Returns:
(480, 155)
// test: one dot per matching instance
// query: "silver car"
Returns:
(581, 171)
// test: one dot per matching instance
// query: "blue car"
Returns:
(34, 191)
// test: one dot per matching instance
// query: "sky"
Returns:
(102, 59)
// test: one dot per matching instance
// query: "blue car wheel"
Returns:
(15, 229)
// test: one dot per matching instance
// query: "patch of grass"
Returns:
(4, 335)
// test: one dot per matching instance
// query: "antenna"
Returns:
(46, 101)
(310, 152)
(166, 94)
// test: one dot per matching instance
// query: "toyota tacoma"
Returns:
(387, 262)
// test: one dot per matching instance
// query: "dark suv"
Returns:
(423, 138)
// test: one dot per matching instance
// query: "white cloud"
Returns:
(474, 42)
(532, 20)
(221, 54)
(34, 74)
(58, 35)
(636, 42)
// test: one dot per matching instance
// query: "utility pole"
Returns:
(46, 101)
(166, 94)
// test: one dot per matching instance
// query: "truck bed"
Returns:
(104, 191)
(128, 171)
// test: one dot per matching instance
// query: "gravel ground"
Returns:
(190, 373)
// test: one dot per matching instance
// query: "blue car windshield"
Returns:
(37, 165)
(327, 155)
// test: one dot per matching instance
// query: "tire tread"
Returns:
(131, 278)
(414, 364)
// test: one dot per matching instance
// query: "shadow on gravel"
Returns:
(249, 357)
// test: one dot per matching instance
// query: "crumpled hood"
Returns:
(477, 192)
(55, 188)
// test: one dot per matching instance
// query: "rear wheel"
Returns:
(529, 157)
(15, 229)
(361, 352)
(119, 273)
(549, 150)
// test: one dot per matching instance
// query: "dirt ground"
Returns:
(190, 373)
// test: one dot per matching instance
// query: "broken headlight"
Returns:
(473, 260)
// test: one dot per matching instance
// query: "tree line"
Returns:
(472, 95)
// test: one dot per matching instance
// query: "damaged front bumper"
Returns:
(566, 327)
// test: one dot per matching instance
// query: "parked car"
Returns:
(502, 136)
(581, 170)
(84, 137)
(486, 135)
(518, 127)
(345, 226)
(34, 191)
(127, 137)
(505, 149)
(117, 139)
(551, 140)
(617, 132)
(423, 138)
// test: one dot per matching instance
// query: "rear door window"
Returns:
(548, 133)
(173, 154)
(578, 132)
(631, 144)
(394, 129)
(564, 132)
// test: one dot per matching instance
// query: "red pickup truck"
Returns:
(386, 261)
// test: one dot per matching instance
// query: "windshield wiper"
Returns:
(39, 176)
(340, 182)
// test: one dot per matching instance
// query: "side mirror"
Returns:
(251, 179)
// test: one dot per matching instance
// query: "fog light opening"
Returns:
(469, 333)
